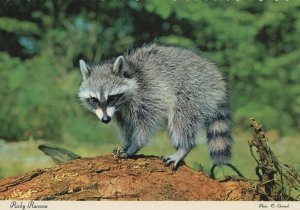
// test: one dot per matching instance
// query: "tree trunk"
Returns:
(110, 178)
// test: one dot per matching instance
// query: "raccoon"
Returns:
(156, 84)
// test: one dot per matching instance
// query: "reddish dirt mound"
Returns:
(110, 178)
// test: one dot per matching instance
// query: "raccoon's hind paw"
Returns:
(120, 152)
(176, 158)
(168, 160)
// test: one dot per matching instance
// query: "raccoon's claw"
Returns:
(176, 158)
(120, 152)
(169, 160)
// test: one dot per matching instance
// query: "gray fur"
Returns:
(166, 83)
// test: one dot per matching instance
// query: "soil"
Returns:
(110, 178)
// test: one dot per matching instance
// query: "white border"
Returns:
(155, 205)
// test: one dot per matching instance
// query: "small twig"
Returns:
(212, 173)
(268, 167)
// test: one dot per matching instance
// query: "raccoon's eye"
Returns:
(114, 98)
(93, 101)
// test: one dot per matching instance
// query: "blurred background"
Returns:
(255, 43)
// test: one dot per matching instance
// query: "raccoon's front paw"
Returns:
(120, 152)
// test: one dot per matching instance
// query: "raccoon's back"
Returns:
(181, 66)
(180, 72)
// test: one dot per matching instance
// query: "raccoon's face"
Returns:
(105, 88)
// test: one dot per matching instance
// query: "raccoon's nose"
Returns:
(106, 119)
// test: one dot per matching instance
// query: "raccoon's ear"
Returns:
(118, 67)
(84, 69)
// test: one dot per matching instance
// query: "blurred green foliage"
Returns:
(256, 44)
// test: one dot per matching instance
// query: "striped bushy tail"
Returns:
(218, 133)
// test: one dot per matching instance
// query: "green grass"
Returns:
(21, 157)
